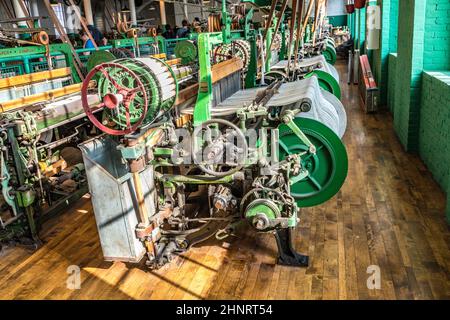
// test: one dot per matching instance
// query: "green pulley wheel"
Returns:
(330, 54)
(99, 57)
(330, 42)
(326, 82)
(127, 75)
(186, 50)
(327, 167)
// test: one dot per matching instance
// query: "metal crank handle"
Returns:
(288, 119)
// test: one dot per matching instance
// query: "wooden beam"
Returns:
(65, 38)
(186, 94)
(225, 68)
(308, 13)
(271, 14)
(27, 14)
(41, 97)
(27, 79)
(299, 31)
(291, 31)
(84, 25)
(280, 14)
(7, 9)
(159, 56)
(218, 72)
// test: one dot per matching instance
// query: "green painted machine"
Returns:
(188, 154)
(141, 46)
(41, 122)
(17, 61)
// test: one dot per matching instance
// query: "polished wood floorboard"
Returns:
(389, 213)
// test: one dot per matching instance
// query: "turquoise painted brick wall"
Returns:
(388, 44)
(434, 137)
(391, 81)
(423, 44)
(338, 21)
(437, 39)
(356, 27)
(350, 23)
(362, 28)
(408, 72)
(393, 24)
(351, 19)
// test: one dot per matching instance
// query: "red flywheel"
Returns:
(118, 101)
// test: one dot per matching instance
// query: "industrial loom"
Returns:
(188, 154)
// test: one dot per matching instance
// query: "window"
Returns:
(59, 11)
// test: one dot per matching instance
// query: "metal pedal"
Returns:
(287, 255)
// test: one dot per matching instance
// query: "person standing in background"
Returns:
(168, 33)
(196, 25)
(97, 35)
(87, 43)
(184, 31)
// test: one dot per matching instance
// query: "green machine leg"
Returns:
(202, 108)
(250, 77)
(269, 36)
(283, 49)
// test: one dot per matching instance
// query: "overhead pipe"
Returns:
(271, 14)
(162, 12)
(133, 15)
(299, 31)
(280, 14)
(308, 14)
(19, 13)
(88, 12)
(291, 31)
(185, 10)
(35, 10)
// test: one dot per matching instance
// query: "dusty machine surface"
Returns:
(242, 126)
(42, 119)
(41, 168)
(193, 147)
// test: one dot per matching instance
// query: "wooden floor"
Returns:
(390, 213)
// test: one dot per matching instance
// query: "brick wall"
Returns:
(409, 70)
(423, 44)
(351, 23)
(437, 31)
(392, 64)
(388, 44)
(356, 27)
(393, 24)
(338, 21)
(362, 28)
(434, 136)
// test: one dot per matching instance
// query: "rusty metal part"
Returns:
(291, 30)
(152, 32)
(271, 14)
(280, 14)
(41, 38)
(142, 209)
(299, 31)
(132, 33)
